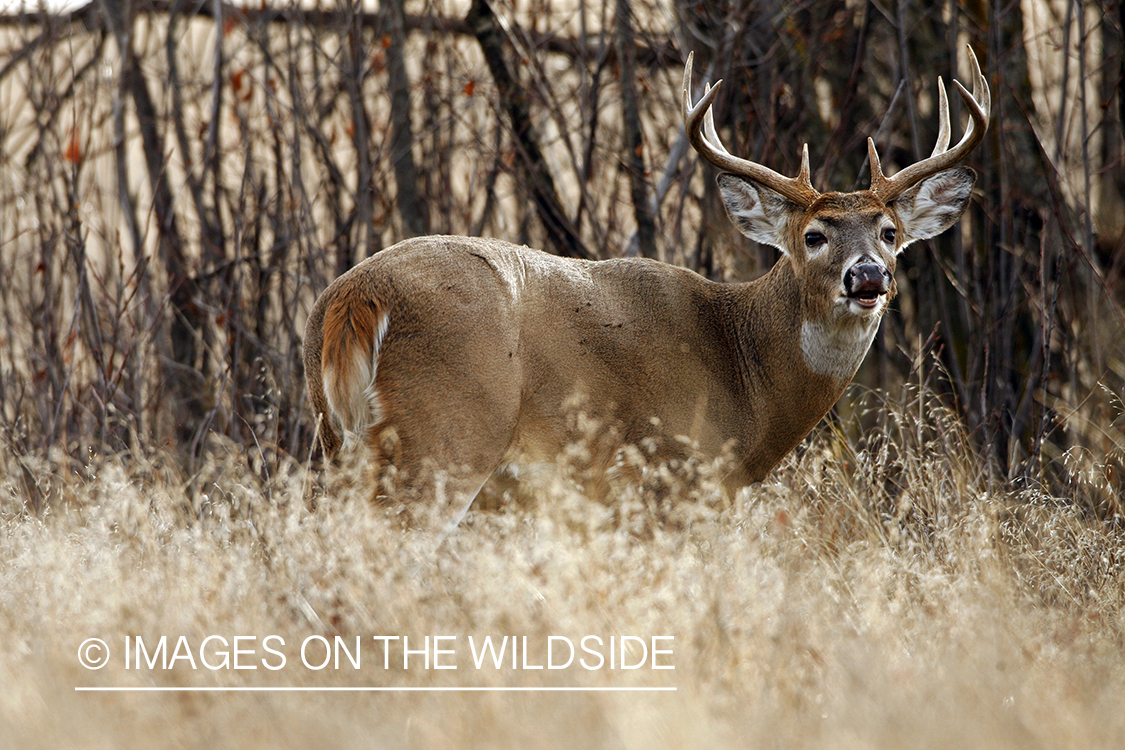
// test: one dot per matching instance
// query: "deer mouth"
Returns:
(866, 298)
(865, 283)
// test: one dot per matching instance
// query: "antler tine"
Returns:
(685, 105)
(980, 85)
(699, 122)
(709, 133)
(804, 174)
(979, 104)
(942, 144)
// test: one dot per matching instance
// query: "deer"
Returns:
(445, 360)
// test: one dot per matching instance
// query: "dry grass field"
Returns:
(873, 594)
(940, 565)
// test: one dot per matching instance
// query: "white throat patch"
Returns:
(836, 351)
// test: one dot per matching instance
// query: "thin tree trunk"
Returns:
(412, 205)
(561, 232)
(644, 240)
(186, 323)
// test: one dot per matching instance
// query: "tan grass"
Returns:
(876, 593)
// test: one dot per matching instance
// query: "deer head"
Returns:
(843, 246)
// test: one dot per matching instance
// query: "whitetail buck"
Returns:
(446, 359)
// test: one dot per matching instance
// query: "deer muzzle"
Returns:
(866, 282)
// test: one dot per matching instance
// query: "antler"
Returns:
(699, 123)
(980, 106)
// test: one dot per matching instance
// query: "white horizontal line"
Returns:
(112, 689)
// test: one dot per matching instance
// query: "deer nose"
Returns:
(867, 279)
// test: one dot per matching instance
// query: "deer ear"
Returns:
(934, 204)
(758, 212)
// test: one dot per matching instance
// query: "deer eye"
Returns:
(814, 239)
(889, 235)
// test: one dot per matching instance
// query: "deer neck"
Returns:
(789, 347)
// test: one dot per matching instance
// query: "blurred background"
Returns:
(179, 180)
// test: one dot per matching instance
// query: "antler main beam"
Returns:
(699, 122)
(979, 104)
